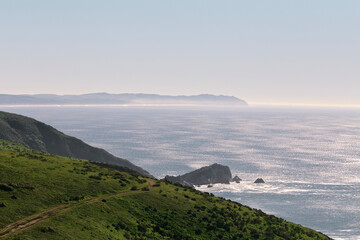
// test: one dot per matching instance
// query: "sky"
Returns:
(278, 51)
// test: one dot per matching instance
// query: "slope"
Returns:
(42, 137)
(32, 183)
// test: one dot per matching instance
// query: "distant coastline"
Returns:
(123, 100)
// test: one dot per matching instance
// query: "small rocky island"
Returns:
(212, 174)
(259, 180)
(236, 179)
(209, 175)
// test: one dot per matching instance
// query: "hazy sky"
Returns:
(304, 51)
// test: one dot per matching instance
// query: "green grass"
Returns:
(167, 211)
(39, 181)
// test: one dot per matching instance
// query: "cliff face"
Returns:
(42, 137)
(215, 173)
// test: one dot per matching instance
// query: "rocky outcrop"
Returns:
(215, 173)
(259, 180)
(236, 179)
(42, 137)
(178, 179)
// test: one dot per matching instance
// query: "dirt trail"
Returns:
(41, 216)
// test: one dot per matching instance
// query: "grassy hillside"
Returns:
(42, 137)
(102, 203)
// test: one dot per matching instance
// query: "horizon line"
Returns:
(250, 104)
(292, 104)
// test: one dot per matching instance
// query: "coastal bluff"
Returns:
(215, 173)
(42, 137)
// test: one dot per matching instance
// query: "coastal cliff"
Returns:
(215, 173)
(42, 137)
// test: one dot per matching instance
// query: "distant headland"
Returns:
(121, 99)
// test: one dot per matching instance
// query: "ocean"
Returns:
(308, 157)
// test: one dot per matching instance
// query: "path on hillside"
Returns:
(55, 211)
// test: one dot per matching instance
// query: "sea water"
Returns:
(308, 157)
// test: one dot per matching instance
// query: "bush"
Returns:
(5, 187)
(47, 230)
(75, 198)
(120, 225)
(95, 177)
(142, 228)
(127, 235)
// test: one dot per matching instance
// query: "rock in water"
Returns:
(215, 173)
(259, 180)
(178, 180)
(236, 179)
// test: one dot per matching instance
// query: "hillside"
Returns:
(42, 137)
(75, 199)
(124, 98)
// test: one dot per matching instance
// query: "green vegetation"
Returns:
(32, 182)
(42, 137)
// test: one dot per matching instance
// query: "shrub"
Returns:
(47, 230)
(141, 180)
(5, 187)
(120, 225)
(95, 177)
(142, 228)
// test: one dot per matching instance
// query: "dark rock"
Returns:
(178, 180)
(215, 173)
(44, 138)
(209, 186)
(236, 179)
(259, 180)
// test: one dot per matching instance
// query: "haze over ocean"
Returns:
(308, 157)
(278, 52)
(292, 52)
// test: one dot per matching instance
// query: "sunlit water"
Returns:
(309, 158)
